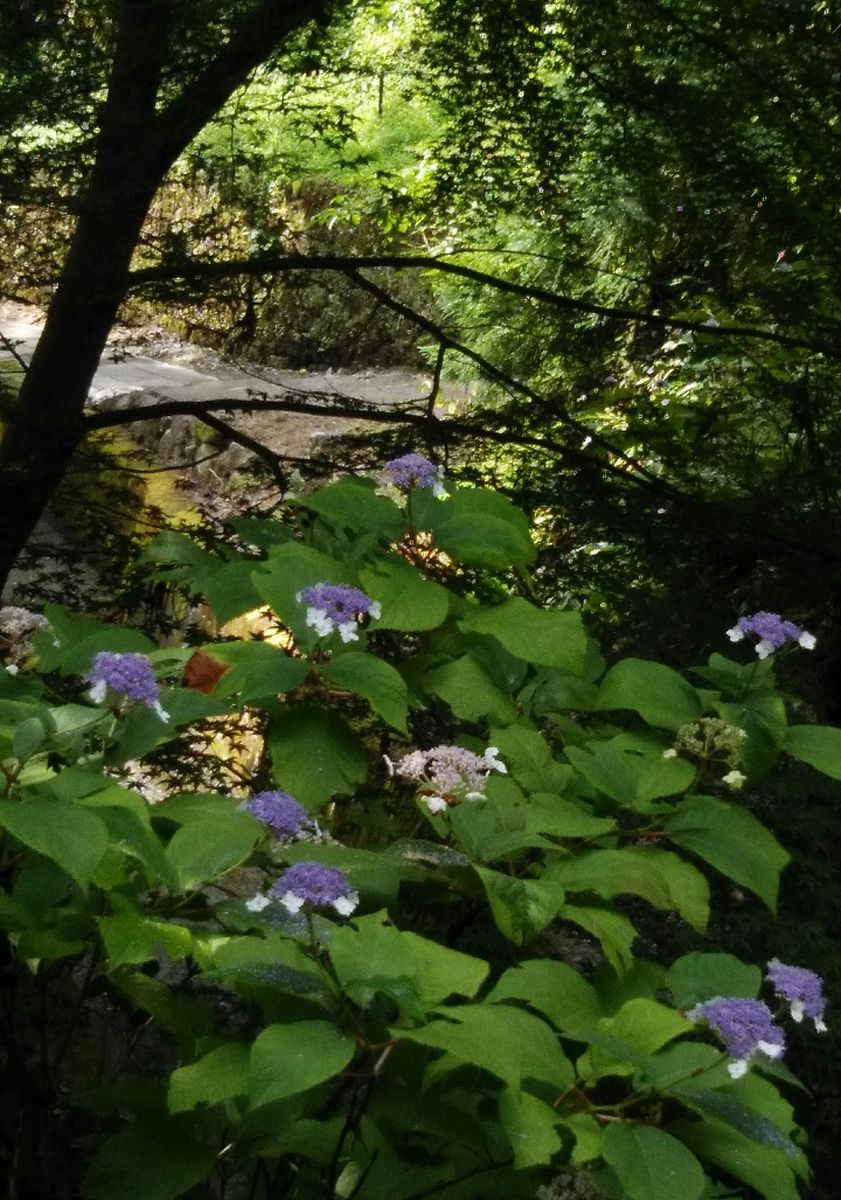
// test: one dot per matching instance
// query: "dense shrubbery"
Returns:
(414, 970)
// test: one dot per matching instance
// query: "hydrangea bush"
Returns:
(365, 979)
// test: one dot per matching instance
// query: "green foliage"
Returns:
(428, 1026)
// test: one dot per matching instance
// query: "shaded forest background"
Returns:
(616, 222)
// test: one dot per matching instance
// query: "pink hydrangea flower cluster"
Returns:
(446, 775)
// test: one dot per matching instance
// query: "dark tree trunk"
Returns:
(46, 424)
(138, 141)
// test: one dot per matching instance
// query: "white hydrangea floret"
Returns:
(435, 804)
(493, 761)
(344, 905)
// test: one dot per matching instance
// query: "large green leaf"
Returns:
(565, 818)
(731, 840)
(315, 754)
(697, 977)
(683, 1064)
(155, 1161)
(72, 837)
(219, 1075)
(752, 1121)
(661, 696)
(224, 581)
(621, 1043)
(228, 587)
(373, 679)
(353, 504)
(182, 1016)
(468, 689)
(371, 956)
(443, 972)
(764, 1168)
(408, 601)
(522, 908)
(532, 1128)
(273, 961)
(554, 989)
(651, 1164)
(529, 759)
(130, 937)
(817, 745)
(660, 877)
(257, 670)
(204, 850)
(612, 929)
(547, 637)
(508, 1042)
(142, 730)
(130, 832)
(762, 715)
(72, 639)
(480, 527)
(287, 1059)
(631, 770)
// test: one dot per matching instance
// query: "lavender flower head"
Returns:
(130, 675)
(281, 812)
(311, 884)
(803, 989)
(337, 606)
(773, 633)
(17, 626)
(745, 1026)
(446, 775)
(413, 470)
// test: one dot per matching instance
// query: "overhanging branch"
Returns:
(436, 429)
(272, 264)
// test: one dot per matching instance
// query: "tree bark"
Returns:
(138, 142)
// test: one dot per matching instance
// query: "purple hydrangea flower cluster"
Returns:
(281, 812)
(311, 884)
(802, 989)
(413, 470)
(448, 774)
(337, 606)
(773, 633)
(745, 1026)
(129, 675)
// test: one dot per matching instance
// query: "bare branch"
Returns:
(10, 347)
(435, 429)
(271, 264)
(555, 410)
(257, 448)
